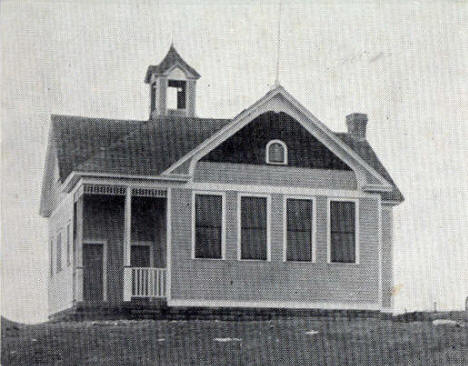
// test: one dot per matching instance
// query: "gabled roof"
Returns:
(365, 151)
(279, 100)
(172, 58)
(126, 146)
(147, 148)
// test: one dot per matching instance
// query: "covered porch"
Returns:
(120, 243)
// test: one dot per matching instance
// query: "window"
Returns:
(254, 228)
(153, 97)
(59, 252)
(176, 92)
(343, 232)
(299, 216)
(276, 152)
(208, 232)
(69, 234)
(51, 258)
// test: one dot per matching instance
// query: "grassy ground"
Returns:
(273, 342)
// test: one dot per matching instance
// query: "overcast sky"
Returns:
(403, 63)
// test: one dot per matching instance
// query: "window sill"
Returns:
(306, 262)
(343, 263)
(253, 260)
(208, 259)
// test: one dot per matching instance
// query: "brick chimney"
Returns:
(357, 123)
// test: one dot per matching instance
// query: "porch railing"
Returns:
(144, 282)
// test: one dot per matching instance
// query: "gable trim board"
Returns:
(379, 222)
(293, 108)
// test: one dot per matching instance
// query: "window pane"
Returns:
(276, 153)
(253, 212)
(254, 228)
(208, 210)
(343, 247)
(299, 246)
(208, 242)
(208, 226)
(299, 215)
(342, 216)
(254, 244)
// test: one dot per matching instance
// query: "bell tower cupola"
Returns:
(172, 86)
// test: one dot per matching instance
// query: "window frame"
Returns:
(356, 230)
(69, 246)
(239, 226)
(59, 254)
(313, 229)
(153, 93)
(285, 150)
(223, 223)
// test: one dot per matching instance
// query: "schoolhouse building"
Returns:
(269, 209)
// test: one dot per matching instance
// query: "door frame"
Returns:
(104, 263)
(145, 243)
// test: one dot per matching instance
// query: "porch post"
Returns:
(127, 290)
(79, 250)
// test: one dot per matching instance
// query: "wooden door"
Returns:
(93, 272)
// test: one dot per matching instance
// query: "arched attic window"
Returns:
(277, 152)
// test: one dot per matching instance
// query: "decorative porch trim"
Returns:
(149, 192)
(104, 189)
(74, 176)
(118, 190)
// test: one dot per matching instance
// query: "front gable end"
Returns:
(249, 145)
(279, 115)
